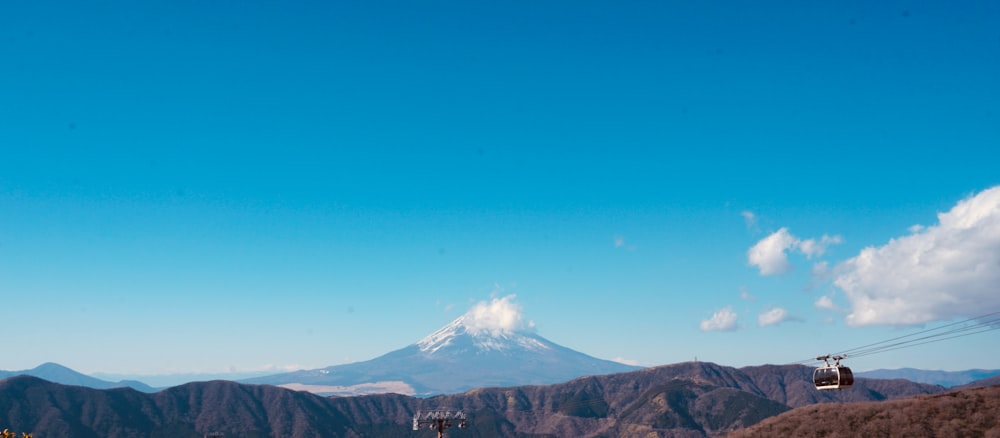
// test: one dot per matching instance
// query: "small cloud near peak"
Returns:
(497, 316)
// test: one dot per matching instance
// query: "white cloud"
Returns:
(722, 320)
(771, 317)
(824, 302)
(938, 272)
(749, 218)
(821, 270)
(812, 247)
(768, 254)
(497, 315)
(746, 295)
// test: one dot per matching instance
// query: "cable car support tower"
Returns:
(439, 420)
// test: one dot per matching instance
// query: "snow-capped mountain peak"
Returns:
(441, 338)
(491, 345)
(462, 333)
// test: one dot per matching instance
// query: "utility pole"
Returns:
(439, 420)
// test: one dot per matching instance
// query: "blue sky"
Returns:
(270, 185)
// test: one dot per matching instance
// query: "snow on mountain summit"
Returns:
(460, 334)
(498, 325)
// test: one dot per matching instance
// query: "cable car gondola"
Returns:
(834, 376)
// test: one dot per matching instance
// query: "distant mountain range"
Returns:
(458, 357)
(944, 378)
(54, 372)
(694, 399)
(174, 379)
(990, 381)
(465, 355)
(57, 373)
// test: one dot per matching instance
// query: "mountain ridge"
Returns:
(685, 399)
(936, 377)
(62, 374)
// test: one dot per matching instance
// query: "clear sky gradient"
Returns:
(241, 186)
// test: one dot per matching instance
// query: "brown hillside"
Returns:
(693, 399)
(964, 413)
